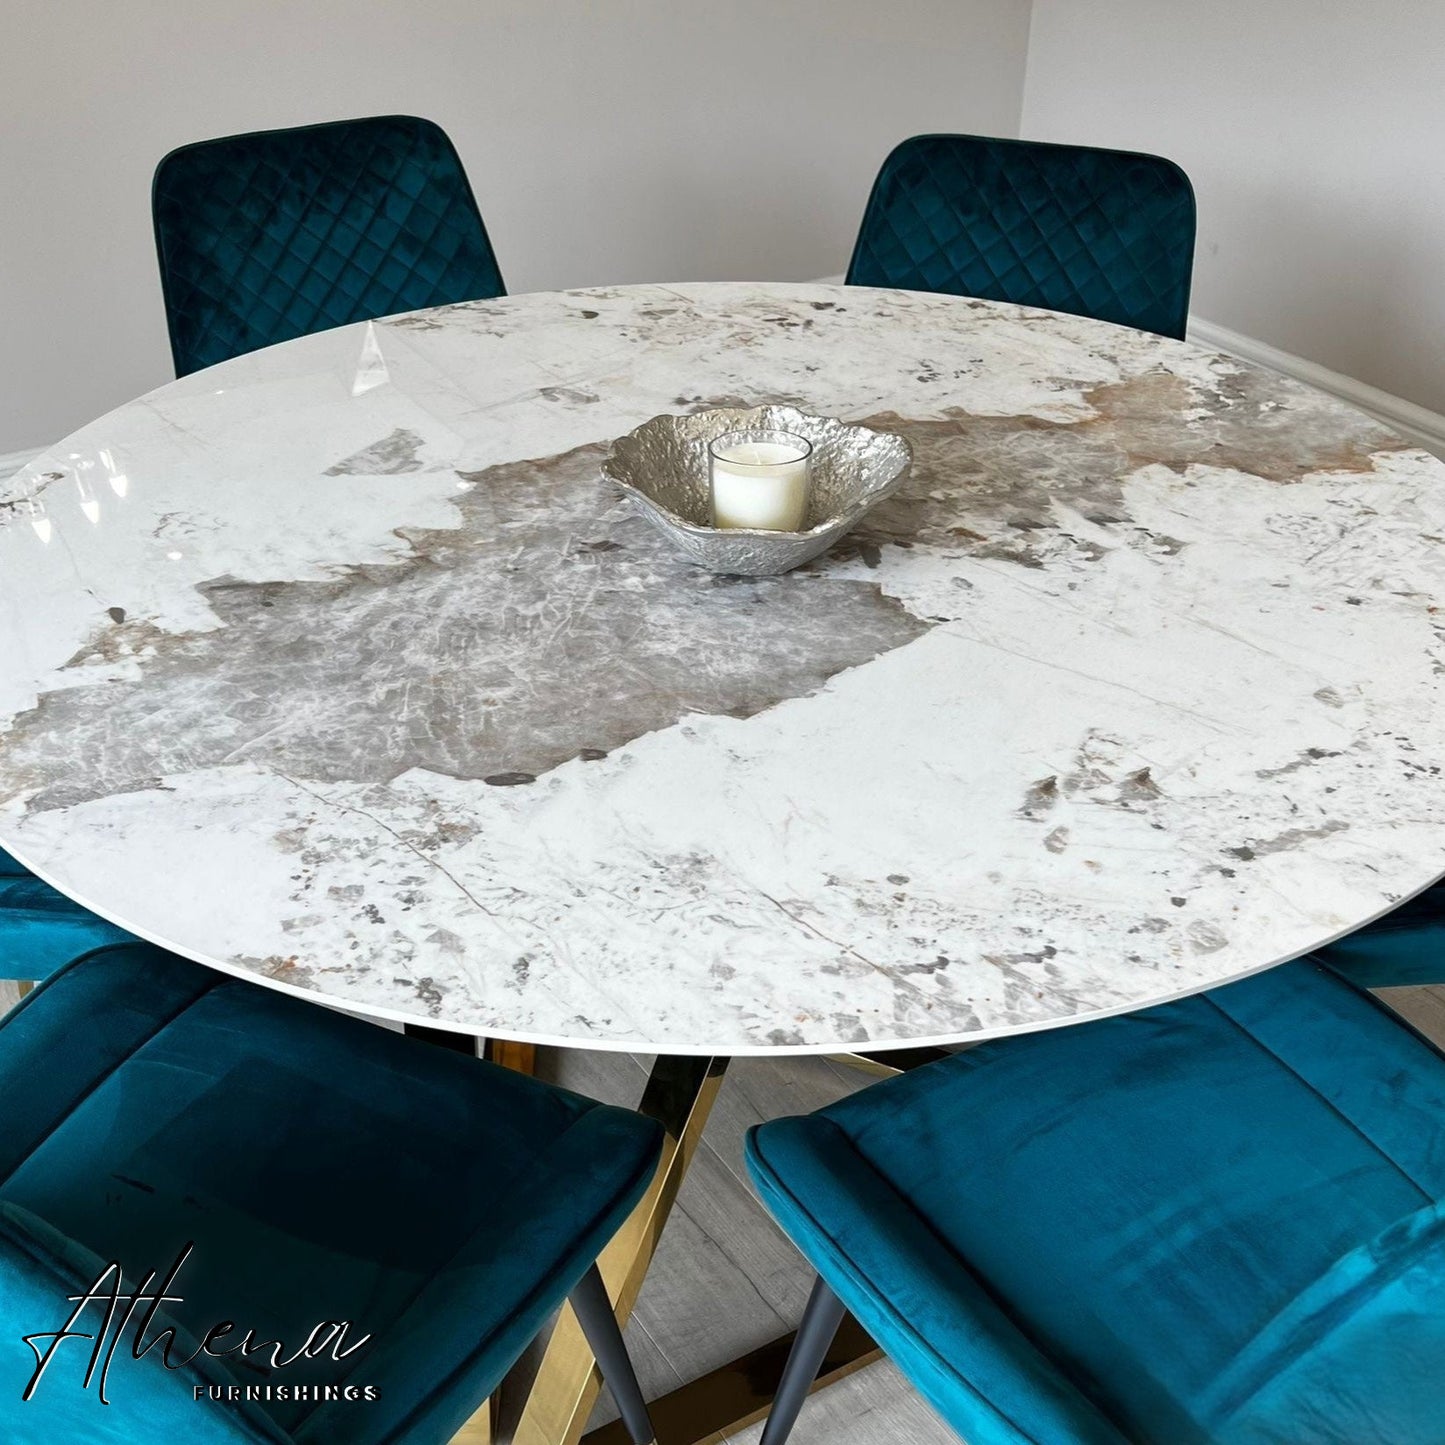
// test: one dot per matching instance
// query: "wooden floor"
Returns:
(726, 1280)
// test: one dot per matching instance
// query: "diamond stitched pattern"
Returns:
(270, 236)
(1097, 233)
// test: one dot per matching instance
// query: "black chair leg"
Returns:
(599, 1324)
(820, 1323)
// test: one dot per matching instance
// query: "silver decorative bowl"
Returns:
(663, 467)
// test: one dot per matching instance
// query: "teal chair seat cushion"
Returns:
(40, 928)
(1405, 947)
(277, 234)
(1216, 1221)
(39, 1269)
(324, 1168)
(1101, 233)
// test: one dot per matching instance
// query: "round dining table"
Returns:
(340, 666)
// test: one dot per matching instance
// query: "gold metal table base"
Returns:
(680, 1094)
(892, 1063)
(521, 1057)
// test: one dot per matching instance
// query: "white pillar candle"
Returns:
(760, 480)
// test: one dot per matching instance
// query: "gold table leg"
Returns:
(680, 1094)
(890, 1064)
(510, 1055)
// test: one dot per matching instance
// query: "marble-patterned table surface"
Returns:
(341, 667)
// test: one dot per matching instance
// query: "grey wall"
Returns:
(1314, 131)
(610, 141)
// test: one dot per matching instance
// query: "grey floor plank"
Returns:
(722, 1204)
(699, 1303)
(722, 1200)
(1423, 1007)
(611, 1077)
(759, 1089)
(654, 1374)
(876, 1406)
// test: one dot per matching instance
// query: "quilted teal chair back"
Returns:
(1101, 233)
(280, 233)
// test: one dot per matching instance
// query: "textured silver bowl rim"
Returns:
(662, 465)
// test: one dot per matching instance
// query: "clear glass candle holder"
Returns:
(760, 480)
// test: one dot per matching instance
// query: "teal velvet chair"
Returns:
(1101, 233)
(1217, 1222)
(319, 1169)
(40, 928)
(1406, 947)
(277, 234)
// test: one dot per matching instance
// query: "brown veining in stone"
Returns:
(994, 481)
(551, 624)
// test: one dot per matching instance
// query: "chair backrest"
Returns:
(1101, 233)
(276, 234)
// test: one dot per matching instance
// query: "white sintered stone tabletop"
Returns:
(339, 666)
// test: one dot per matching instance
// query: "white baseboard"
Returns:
(1417, 424)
